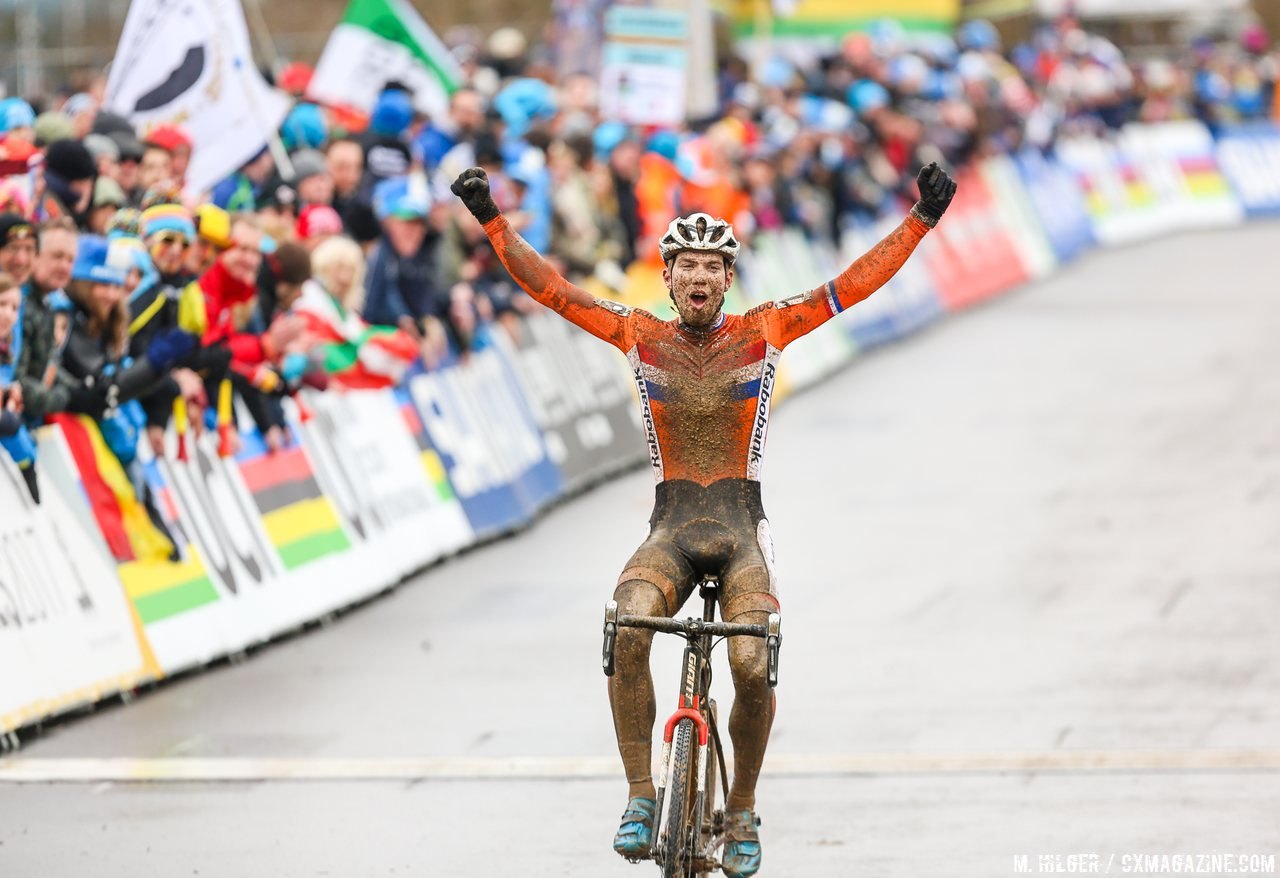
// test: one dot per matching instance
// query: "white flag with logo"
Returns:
(189, 63)
(379, 41)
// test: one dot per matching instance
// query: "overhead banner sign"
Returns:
(832, 19)
(646, 66)
(189, 63)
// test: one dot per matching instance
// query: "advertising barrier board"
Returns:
(973, 255)
(67, 635)
(1057, 204)
(1249, 156)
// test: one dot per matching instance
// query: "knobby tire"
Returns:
(683, 786)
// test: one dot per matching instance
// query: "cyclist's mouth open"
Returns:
(698, 300)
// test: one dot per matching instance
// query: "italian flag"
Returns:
(378, 41)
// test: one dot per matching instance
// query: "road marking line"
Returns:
(194, 769)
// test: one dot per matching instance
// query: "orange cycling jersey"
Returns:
(705, 394)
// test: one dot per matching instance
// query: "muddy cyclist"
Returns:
(705, 381)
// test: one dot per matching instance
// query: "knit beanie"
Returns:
(70, 160)
(167, 218)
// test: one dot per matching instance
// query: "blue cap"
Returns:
(15, 113)
(391, 114)
(396, 198)
(941, 49)
(94, 262)
(866, 95)
(304, 128)
(524, 173)
(664, 143)
(607, 136)
(522, 101)
(777, 73)
(979, 35)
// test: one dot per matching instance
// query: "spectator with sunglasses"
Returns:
(168, 300)
(168, 232)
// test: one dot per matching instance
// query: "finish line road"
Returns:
(1028, 564)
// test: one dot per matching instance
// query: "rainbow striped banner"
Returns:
(162, 589)
(299, 519)
(835, 18)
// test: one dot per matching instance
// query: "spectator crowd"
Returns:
(125, 298)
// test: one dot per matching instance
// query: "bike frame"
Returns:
(700, 636)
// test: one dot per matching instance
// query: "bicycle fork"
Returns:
(691, 709)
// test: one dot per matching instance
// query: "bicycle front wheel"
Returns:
(677, 852)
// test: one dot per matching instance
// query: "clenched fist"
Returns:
(936, 191)
(472, 186)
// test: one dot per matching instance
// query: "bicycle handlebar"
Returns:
(693, 627)
(771, 633)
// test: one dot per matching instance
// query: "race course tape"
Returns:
(221, 770)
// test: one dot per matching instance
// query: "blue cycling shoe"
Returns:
(741, 844)
(635, 835)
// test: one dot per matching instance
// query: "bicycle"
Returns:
(694, 827)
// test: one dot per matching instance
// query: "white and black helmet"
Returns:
(702, 232)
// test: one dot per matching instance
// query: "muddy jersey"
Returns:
(705, 395)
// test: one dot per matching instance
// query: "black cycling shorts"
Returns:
(718, 529)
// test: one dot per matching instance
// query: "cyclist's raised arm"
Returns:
(791, 318)
(534, 274)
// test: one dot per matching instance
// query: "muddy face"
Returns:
(697, 282)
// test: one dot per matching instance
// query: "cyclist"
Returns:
(705, 382)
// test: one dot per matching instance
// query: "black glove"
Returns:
(472, 186)
(89, 398)
(936, 191)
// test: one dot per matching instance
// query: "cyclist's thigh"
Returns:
(658, 575)
(749, 584)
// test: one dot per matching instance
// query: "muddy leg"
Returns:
(752, 714)
(631, 686)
